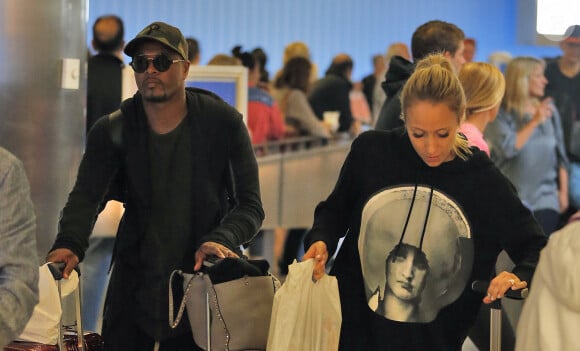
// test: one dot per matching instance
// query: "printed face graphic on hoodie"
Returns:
(416, 252)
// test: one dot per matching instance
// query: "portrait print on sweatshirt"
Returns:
(416, 252)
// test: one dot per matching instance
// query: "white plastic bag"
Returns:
(45, 321)
(306, 315)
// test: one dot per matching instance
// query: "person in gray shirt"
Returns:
(18, 257)
(527, 143)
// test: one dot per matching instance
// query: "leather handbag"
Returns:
(228, 309)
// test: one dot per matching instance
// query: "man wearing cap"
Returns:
(180, 154)
(563, 74)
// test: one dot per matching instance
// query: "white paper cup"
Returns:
(331, 118)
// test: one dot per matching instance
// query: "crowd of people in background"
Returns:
(525, 119)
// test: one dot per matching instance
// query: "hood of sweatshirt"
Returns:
(399, 71)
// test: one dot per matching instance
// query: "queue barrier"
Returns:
(295, 175)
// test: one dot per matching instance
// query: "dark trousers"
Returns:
(294, 239)
(131, 338)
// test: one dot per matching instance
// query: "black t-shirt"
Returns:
(169, 224)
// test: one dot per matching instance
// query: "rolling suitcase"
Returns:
(495, 311)
(70, 338)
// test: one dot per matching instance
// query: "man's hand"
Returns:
(64, 255)
(210, 248)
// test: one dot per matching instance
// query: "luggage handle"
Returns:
(480, 286)
(57, 268)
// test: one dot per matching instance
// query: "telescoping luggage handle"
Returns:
(57, 269)
(481, 286)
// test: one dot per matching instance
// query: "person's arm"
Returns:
(542, 113)
(343, 100)
(276, 123)
(501, 135)
(519, 234)
(98, 167)
(299, 108)
(241, 224)
(18, 259)
(563, 188)
(563, 161)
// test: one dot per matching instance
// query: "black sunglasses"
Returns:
(161, 63)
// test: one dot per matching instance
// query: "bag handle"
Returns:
(173, 323)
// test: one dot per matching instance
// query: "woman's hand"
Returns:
(543, 111)
(319, 253)
(502, 283)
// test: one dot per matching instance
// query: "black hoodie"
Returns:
(397, 75)
(456, 217)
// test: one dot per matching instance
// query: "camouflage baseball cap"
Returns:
(162, 33)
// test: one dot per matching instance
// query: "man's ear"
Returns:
(448, 55)
(186, 65)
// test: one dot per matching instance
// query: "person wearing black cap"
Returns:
(179, 153)
(563, 74)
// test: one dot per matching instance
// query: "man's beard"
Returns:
(155, 98)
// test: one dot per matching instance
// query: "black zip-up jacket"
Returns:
(219, 138)
(399, 72)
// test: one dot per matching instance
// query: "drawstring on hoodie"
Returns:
(409, 217)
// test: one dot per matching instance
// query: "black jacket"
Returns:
(104, 86)
(331, 93)
(399, 71)
(219, 137)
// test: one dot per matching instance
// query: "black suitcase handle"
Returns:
(57, 268)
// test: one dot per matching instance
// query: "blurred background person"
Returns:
(262, 59)
(469, 49)
(484, 86)
(193, 51)
(563, 74)
(264, 118)
(18, 257)
(430, 37)
(371, 86)
(224, 60)
(332, 93)
(299, 49)
(527, 143)
(290, 89)
(105, 68)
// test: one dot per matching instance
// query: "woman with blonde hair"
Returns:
(421, 185)
(484, 86)
(527, 143)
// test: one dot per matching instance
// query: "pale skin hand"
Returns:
(64, 255)
(502, 283)
(542, 113)
(319, 253)
(210, 248)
